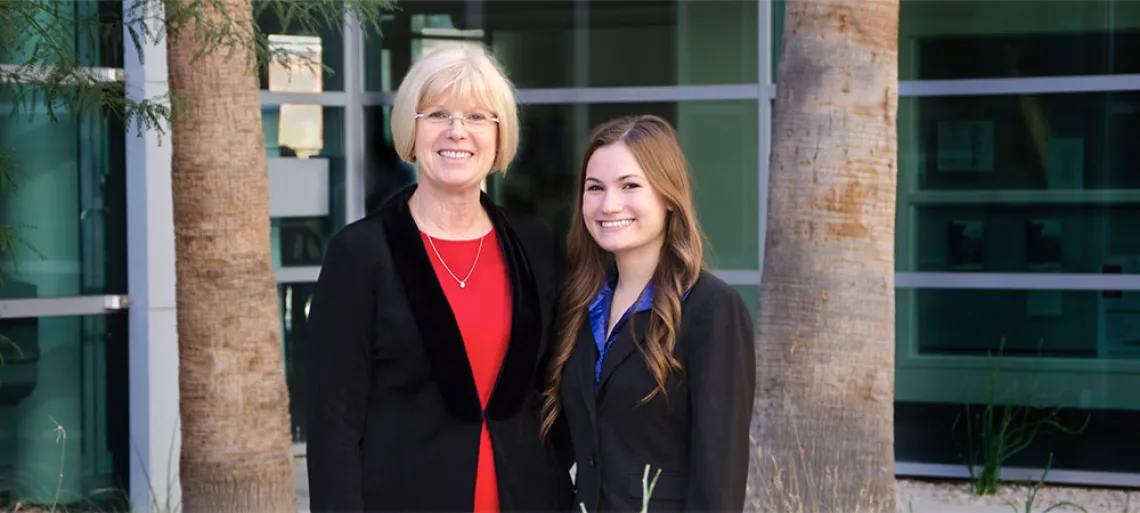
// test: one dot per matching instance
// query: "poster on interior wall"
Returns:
(965, 146)
(1065, 163)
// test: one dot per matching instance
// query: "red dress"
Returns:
(482, 310)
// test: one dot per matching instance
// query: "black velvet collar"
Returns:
(437, 325)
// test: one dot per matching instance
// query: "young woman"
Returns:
(637, 283)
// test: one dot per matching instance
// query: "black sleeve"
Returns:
(555, 257)
(722, 383)
(338, 375)
(560, 431)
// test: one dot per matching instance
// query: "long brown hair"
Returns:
(654, 145)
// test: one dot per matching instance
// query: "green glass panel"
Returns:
(562, 43)
(294, 299)
(719, 140)
(70, 372)
(306, 132)
(305, 73)
(1019, 183)
(952, 39)
(1076, 350)
(751, 296)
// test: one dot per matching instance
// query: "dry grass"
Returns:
(786, 495)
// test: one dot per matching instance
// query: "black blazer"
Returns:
(697, 436)
(394, 417)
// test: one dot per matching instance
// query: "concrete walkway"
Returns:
(301, 484)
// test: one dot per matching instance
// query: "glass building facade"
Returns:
(64, 351)
(1018, 228)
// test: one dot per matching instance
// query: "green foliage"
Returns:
(647, 486)
(10, 239)
(995, 437)
(44, 71)
(1035, 488)
(52, 73)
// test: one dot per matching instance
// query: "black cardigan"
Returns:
(394, 416)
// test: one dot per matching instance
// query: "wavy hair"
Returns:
(655, 146)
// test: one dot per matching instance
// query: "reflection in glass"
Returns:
(294, 300)
(1018, 142)
(69, 205)
(71, 371)
(1077, 350)
(718, 137)
(83, 30)
(1031, 238)
(301, 73)
(751, 296)
(302, 132)
(951, 39)
(385, 173)
(562, 43)
(308, 52)
(1019, 183)
(1030, 323)
(936, 434)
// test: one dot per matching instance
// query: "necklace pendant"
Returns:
(462, 284)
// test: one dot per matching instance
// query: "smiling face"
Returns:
(455, 153)
(621, 210)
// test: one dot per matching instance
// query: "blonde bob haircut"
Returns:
(467, 71)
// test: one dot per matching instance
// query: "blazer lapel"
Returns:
(624, 346)
(517, 373)
(429, 305)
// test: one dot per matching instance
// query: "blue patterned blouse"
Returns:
(600, 318)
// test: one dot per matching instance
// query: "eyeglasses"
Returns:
(471, 119)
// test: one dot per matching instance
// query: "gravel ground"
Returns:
(927, 496)
(953, 496)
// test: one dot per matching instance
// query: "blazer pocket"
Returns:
(670, 486)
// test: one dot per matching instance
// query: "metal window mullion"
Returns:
(354, 143)
(33, 74)
(62, 306)
(1022, 85)
(300, 274)
(640, 94)
(766, 92)
(738, 276)
(646, 94)
(1058, 476)
(326, 98)
(1016, 281)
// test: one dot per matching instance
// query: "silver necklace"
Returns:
(463, 282)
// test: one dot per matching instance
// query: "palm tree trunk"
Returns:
(824, 418)
(236, 453)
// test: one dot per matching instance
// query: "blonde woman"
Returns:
(637, 284)
(430, 318)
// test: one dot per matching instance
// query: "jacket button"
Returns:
(593, 462)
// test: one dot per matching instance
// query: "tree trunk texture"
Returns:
(236, 450)
(825, 400)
